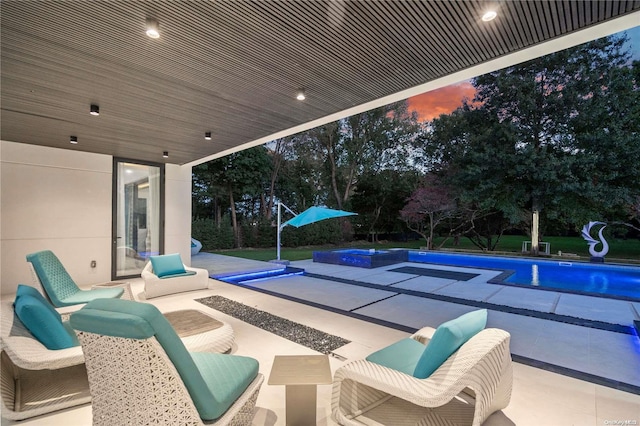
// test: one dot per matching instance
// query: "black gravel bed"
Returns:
(310, 337)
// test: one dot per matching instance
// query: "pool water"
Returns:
(616, 281)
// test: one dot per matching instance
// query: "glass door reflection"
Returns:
(138, 207)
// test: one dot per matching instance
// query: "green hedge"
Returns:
(263, 234)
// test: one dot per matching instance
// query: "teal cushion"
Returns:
(167, 264)
(54, 277)
(46, 326)
(447, 339)
(402, 355)
(26, 290)
(86, 296)
(183, 274)
(130, 319)
(227, 376)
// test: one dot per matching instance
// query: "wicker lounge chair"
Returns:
(467, 388)
(140, 373)
(175, 279)
(50, 275)
(37, 380)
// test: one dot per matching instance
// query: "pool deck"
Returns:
(590, 338)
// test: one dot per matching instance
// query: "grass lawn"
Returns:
(618, 249)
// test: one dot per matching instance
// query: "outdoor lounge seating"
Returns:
(49, 274)
(37, 380)
(166, 274)
(140, 372)
(472, 383)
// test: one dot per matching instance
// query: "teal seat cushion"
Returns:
(42, 321)
(182, 274)
(447, 339)
(86, 296)
(135, 320)
(402, 355)
(167, 264)
(227, 377)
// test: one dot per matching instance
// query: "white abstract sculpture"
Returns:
(586, 234)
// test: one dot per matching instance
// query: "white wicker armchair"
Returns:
(473, 383)
(147, 376)
(155, 286)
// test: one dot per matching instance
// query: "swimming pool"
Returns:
(615, 281)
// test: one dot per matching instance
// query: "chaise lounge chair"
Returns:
(37, 379)
(141, 373)
(50, 275)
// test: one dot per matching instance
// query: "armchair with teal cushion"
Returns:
(140, 372)
(59, 287)
(166, 274)
(459, 373)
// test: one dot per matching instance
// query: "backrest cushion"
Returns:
(135, 320)
(167, 264)
(447, 339)
(54, 277)
(42, 320)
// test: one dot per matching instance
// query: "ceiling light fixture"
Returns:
(95, 110)
(165, 154)
(73, 139)
(207, 136)
(300, 95)
(489, 15)
(153, 28)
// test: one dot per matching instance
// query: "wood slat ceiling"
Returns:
(232, 67)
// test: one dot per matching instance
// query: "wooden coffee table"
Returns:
(300, 374)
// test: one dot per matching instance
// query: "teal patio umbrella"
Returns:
(311, 215)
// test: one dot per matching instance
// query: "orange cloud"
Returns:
(432, 104)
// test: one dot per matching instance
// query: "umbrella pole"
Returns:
(278, 237)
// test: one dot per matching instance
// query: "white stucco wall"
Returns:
(60, 200)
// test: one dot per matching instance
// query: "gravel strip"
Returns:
(298, 333)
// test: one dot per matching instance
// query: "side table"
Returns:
(127, 295)
(300, 374)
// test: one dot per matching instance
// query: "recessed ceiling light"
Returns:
(207, 136)
(301, 95)
(165, 154)
(489, 15)
(95, 110)
(153, 28)
(73, 139)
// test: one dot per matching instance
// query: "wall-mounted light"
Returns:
(165, 154)
(73, 139)
(301, 95)
(153, 28)
(95, 110)
(489, 15)
(207, 136)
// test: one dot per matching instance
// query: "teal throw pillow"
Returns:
(447, 339)
(46, 326)
(26, 290)
(167, 264)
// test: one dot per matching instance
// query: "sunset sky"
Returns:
(431, 104)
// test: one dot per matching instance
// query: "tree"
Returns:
(429, 205)
(532, 139)
(379, 197)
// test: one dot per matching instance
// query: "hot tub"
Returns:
(361, 258)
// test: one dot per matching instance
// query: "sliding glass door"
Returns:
(138, 216)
